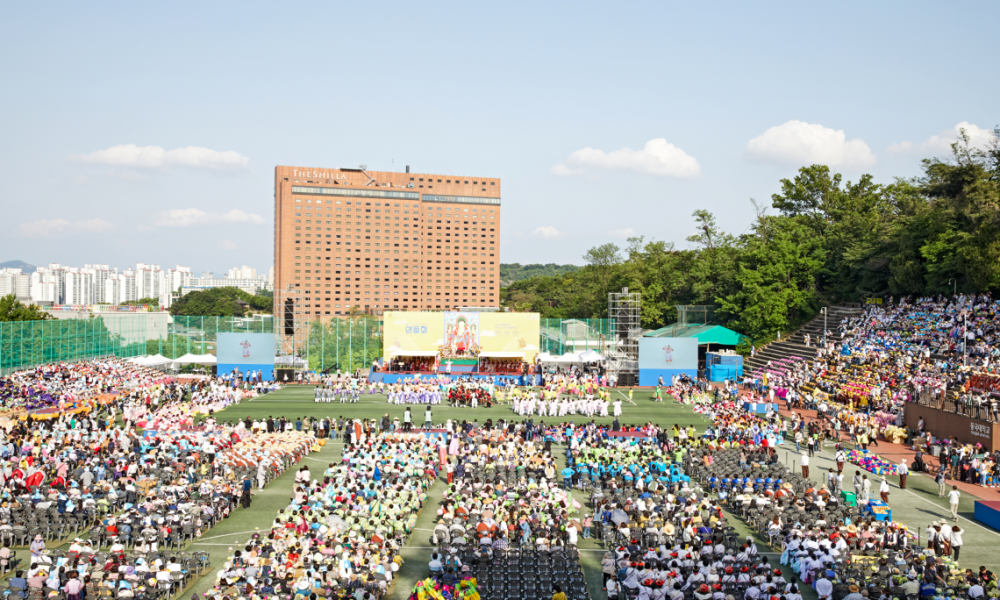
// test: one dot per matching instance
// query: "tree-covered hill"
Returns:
(511, 272)
(219, 302)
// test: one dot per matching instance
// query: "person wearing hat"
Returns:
(855, 593)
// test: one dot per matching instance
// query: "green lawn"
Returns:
(295, 401)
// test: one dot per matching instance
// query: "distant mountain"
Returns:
(511, 272)
(18, 264)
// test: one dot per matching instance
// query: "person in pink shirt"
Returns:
(73, 588)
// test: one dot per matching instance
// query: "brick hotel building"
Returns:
(385, 240)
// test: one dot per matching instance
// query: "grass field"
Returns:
(294, 402)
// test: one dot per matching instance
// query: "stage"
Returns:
(495, 378)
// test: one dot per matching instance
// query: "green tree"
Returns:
(603, 260)
(220, 302)
(776, 278)
(12, 310)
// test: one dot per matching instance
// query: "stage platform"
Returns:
(988, 513)
(499, 379)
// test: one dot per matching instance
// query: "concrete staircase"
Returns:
(792, 345)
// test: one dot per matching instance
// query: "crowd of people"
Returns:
(130, 469)
(340, 536)
(470, 394)
(936, 351)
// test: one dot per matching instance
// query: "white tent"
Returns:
(590, 356)
(546, 357)
(200, 359)
(569, 357)
(501, 354)
(153, 361)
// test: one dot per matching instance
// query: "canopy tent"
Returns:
(705, 334)
(569, 357)
(201, 359)
(501, 355)
(590, 356)
(415, 353)
(546, 357)
(151, 361)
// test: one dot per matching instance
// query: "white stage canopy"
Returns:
(590, 356)
(151, 361)
(200, 359)
(569, 357)
(415, 353)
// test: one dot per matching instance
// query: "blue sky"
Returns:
(139, 132)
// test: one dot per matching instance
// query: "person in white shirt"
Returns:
(953, 497)
(805, 466)
(824, 589)
(956, 541)
(976, 591)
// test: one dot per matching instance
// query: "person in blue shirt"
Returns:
(567, 474)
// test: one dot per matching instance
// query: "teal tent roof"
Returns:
(706, 334)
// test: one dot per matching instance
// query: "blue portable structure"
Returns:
(722, 366)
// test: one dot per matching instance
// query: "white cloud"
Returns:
(227, 245)
(548, 232)
(45, 228)
(658, 157)
(622, 233)
(800, 143)
(941, 143)
(238, 216)
(195, 217)
(156, 157)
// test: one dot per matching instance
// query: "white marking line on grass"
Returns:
(230, 545)
(214, 537)
(627, 398)
(946, 516)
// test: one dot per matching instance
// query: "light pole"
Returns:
(954, 286)
(965, 336)
(823, 337)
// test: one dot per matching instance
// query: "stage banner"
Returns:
(245, 352)
(459, 336)
(404, 332)
(666, 357)
(245, 348)
(510, 332)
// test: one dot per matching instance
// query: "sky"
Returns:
(149, 132)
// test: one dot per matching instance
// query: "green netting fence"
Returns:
(345, 344)
(562, 336)
(28, 343)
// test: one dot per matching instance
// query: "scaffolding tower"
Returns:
(291, 329)
(624, 313)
